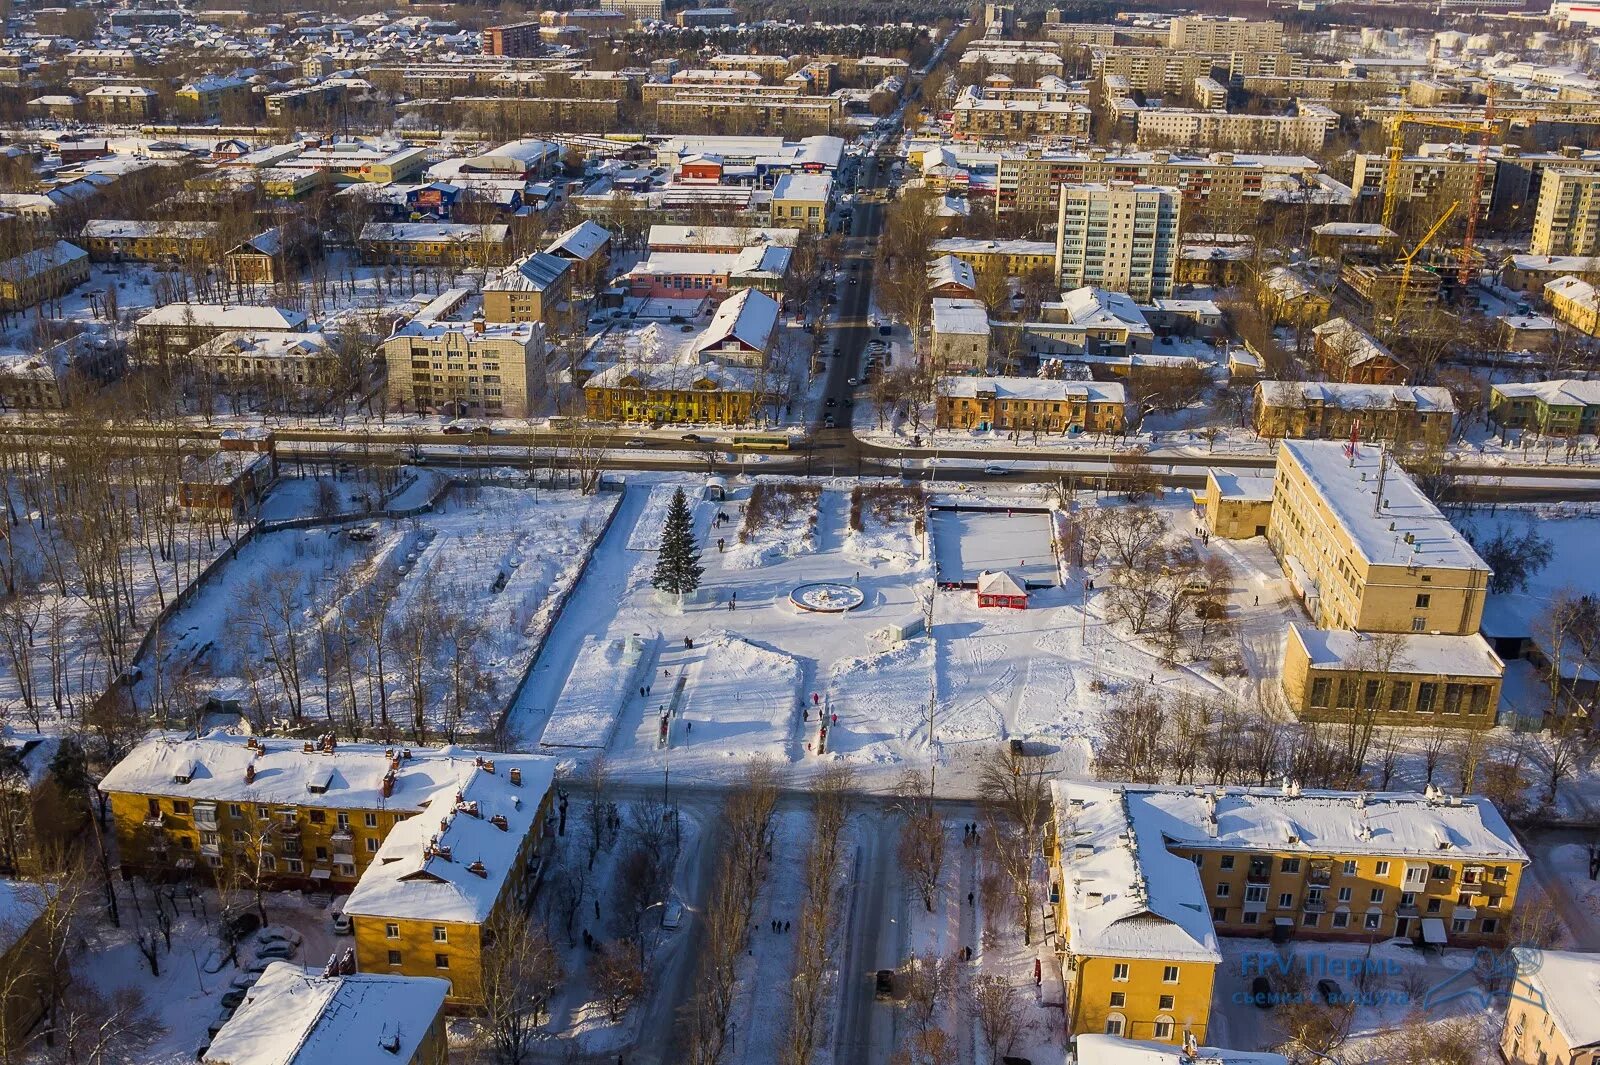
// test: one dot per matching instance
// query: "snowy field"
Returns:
(410, 626)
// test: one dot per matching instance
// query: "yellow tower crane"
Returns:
(1409, 259)
(1396, 151)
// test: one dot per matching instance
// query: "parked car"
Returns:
(1261, 992)
(233, 996)
(245, 980)
(828, 423)
(634, 441)
(342, 925)
(883, 985)
(1330, 991)
(276, 951)
(672, 916)
(279, 935)
(693, 438)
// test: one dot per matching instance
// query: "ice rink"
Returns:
(967, 542)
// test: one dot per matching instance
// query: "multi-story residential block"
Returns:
(429, 243)
(115, 240)
(1430, 182)
(1575, 302)
(1012, 258)
(445, 884)
(513, 39)
(305, 100)
(49, 378)
(1144, 879)
(773, 68)
(1563, 408)
(282, 359)
(296, 1016)
(114, 103)
(1088, 322)
(1410, 679)
(1550, 1015)
(1304, 131)
(960, 337)
(707, 393)
(587, 246)
(1200, 34)
(637, 9)
(440, 365)
(306, 813)
(1119, 236)
(1399, 414)
(205, 97)
(1566, 220)
(1365, 547)
(1290, 299)
(1030, 404)
(977, 115)
(532, 289)
(35, 276)
(175, 328)
(1024, 64)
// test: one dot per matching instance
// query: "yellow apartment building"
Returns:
(1550, 1014)
(442, 881)
(25, 958)
(117, 240)
(699, 393)
(1236, 506)
(1025, 404)
(1575, 302)
(434, 243)
(295, 1016)
(1408, 679)
(532, 289)
(1013, 258)
(1366, 549)
(471, 368)
(1403, 414)
(45, 273)
(1144, 878)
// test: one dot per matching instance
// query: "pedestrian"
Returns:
(969, 898)
(858, 576)
(786, 926)
(596, 909)
(730, 604)
(688, 726)
(815, 698)
(1258, 600)
(835, 719)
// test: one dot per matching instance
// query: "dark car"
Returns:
(832, 402)
(1261, 992)
(693, 438)
(1330, 991)
(883, 985)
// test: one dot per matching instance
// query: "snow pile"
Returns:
(881, 696)
(739, 697)
(596, 691)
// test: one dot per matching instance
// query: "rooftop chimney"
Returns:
(477, 869)
(249, 772)
(516, 778)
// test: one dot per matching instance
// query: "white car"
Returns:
(852, 382)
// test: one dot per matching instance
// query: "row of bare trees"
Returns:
(818, 925)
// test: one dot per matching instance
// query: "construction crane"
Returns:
(1396, 152)
(1409, 259)
(1464, 271)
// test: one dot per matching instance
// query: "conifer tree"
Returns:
(678, 567)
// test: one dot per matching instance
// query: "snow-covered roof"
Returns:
(537, 272)
(1099, 308)
(950, 270)
(1349, 343)
(1366, 230)
(748, 318)
(803, 187)
(1000, 582)
(122, 229)
(769, 260)
(1425, 398)
(1241, 484)
(1569, 983)
(1419, 652)
(1130, 896)
(272, 344)
(1285, 283)
(721, 236)
(582, 241)
(21, 904)
(964, 246)
(1563, 393)
(1032, 388)
(431, 232)
(221, 316)
(31, 263)
(1096, 1049)
(707, 376)
(963, 317)
(1556, 264)
(291, 1016)
(1404, 528)
(451, 863)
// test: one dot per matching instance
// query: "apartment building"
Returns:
(45, 273)
(1366, 549)
(1200, 34)
(26, 949)
(285, 359)
(1348, 354)
(1026, 64)
(773, 68)
(1408, 680)
(1398, 414)
(177, 328)
(206, 96)
(434, 243)
(1144, 878)
(297, 1016)
(700, 393)
(1011, 257)
(441, 884)
(636, 9)
(528, 112)
(112, 103)
(1566, 220)
(1119, 236)
(1563, 408)
(959, 342)
(709, 274)
(513, 39)
(1161, 71)
(752, 111)
(1305, 131)
(1289, 299)
(1575, 302)
(116, 240)
(532, 289)
(1550, 1014)
(1030, 404)
(442, 366)
(1430, 182)
(977, 115)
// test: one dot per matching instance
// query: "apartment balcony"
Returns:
(1316, 906)
(289, 829)
(213, 850)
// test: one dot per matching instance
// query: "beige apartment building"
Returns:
(1566, 220)
(1328, 410)
(978, 115)
(1550, 1014)
(1428, 181)
(440, 366)
(1306, 131)
(1366, 549)
(1120, 236)
(1200, 34)
(1408, 679)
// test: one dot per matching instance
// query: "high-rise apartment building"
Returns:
(1567, 219)
(1200, 34)
(1120, 236)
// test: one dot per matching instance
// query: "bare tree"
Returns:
(999, 1011)
(921, 848)
(520, 970)
(617, 977)
(1014, 787)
